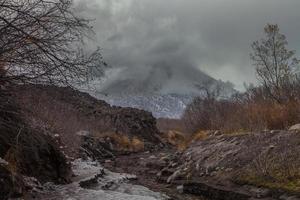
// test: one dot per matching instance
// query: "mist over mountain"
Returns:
(161, 90)
(155, 80)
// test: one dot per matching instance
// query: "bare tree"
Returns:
(211, 89)
(276, 66)
(42, 41)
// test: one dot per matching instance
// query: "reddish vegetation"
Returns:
(250, 111)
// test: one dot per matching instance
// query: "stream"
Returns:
(92, 182)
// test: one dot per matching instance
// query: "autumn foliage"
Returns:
(245, 112)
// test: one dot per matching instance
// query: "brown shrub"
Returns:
(201, 135)
(182, 140)
(137, 144)
(121, 142)
(237, 115)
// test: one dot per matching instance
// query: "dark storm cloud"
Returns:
(211, 35)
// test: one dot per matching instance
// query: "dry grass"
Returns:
(177, 139)
(122, 142)
(137, 144)
(275, 171)
(200, 135)
(11, 158)
(182, 140)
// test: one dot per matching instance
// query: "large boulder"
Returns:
(36, 155)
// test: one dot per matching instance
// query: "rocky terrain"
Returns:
(44, 128)
(84, 146)
(241, 166)
(27, 154)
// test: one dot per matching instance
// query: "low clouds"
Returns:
(175, 35)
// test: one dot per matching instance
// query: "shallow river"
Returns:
(109, 186)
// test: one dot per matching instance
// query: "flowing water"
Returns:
(109, 186)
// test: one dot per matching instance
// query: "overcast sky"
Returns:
(211, 35)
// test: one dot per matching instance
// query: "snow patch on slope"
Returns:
(161, 106)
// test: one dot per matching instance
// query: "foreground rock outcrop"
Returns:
(239, 166)
(43, 128)
(28, 152)
(69, 111)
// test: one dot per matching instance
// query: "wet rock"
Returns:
(156, 165)
(95, 148)
(295, 127)
(180, 188)
(166, 172)
(91, 182)
(174, 176)
(288, 197)
(258, 192)
(203, 189)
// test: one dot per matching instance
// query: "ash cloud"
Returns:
(181, 36)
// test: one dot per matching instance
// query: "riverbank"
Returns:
(261, 165)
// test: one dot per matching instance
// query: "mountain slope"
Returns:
(161, 106)
(164, 92)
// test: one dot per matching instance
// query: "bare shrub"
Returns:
(41, 41)
(250, 111)
(276, 66)
(264, 165)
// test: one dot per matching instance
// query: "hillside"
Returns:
(69, 111)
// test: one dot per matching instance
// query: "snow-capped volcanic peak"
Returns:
(165, 93)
